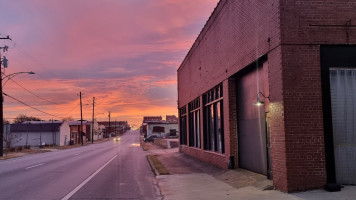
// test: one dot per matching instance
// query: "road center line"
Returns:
(34, 166)
(69, 195)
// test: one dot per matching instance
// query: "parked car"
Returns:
(151, 138)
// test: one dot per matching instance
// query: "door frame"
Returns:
(332, 56)
(248, 69)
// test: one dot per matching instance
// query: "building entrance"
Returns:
(251, 121)
(338, 72)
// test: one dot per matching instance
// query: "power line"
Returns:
(32, 92)
(35, 60)
(71, 110)
(29, 105)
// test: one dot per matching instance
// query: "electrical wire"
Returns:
(77, 105)
(29, 105)
(32, 92)
(21, 50)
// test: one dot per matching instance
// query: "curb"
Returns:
(153, 168)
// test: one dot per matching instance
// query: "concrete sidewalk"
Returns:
(193, 179)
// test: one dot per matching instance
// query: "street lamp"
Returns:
(259, 102)
(10, 76)
(3, 77)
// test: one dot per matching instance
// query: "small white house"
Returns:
(36, 133)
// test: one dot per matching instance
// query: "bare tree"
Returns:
(66, 119)
(10, 138)
(22, 118)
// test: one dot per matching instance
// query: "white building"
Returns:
(35, 133)
(162, 129)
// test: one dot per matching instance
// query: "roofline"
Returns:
(205, 29)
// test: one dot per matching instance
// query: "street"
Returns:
(108, 170)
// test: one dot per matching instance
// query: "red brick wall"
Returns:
(231, 120)
(206, 156)
(305, 25)
(276, 114)
(290, 32)
(303, 117)
(312, 21)
(237, 33)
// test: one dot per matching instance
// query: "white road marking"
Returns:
(77, 154)
(34, 166)
(69, 195)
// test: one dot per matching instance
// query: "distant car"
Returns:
(117, 139)
(172, 136)
(151, 138)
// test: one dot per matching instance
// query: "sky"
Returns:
(125, 53)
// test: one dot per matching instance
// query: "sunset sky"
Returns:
(125, 53)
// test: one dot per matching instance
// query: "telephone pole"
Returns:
(92, 123)
(2, 99)
(81, 118)
(109, 125)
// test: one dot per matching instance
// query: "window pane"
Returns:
(198, 128)
(206, 127)
(211, 128)
(218, 127)
(191, 129)
(183, 130)
(222, 126)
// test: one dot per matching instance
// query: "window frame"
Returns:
(213, 118)
(194, 123)
(183, 125)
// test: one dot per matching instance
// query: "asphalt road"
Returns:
(109, 170)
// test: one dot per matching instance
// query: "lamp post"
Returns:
(3, 76)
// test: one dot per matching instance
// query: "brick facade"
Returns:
(289, 34)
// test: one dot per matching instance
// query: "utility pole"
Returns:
(81, 118)
(92, 123)
(115, 128)
(2, 100)
(109, 125)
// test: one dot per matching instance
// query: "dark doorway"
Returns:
(338, 67)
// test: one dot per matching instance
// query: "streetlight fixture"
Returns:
(10, 76)
(259, 102)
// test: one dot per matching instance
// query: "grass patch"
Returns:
(24, 152)
(158, 165)
(8, 156)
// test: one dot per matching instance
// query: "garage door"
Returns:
(343, 107)
(252, 151)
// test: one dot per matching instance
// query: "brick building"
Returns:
(155, 125)
(296, 57)
(115, 128)
(152, 118)
(171, 118)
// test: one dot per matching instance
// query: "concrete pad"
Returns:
(203, 186)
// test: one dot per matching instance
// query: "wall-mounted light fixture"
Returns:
(259, 102)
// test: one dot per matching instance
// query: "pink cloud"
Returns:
(125, 53)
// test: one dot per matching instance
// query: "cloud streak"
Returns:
(125, 53)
